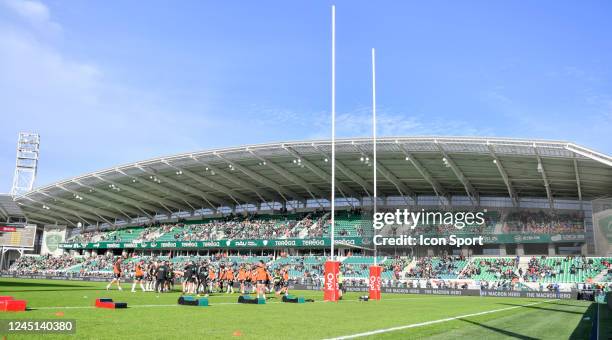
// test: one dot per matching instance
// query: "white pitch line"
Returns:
(426, 323)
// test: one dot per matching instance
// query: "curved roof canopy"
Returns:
(408, 167)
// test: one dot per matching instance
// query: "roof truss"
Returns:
(469, 189)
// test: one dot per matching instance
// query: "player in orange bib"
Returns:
(222, 273)
(138, 276)
(229, 279)
(212, 279)
(263, 278)
(242, 277)
(116, 275)
(253, 277)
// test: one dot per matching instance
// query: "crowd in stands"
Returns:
(495, 268)
(231, 227)
(304, 268)
(154, 232)
(396, 265)
(504, 271)
(569, 268)
(43, 264)
(543, 222)
(541, 269)
(317, 224)
(436, 267)
(90, 236)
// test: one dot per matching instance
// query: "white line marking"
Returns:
(597, 322)
(426, 323)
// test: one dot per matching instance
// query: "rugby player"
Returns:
(242, 278)
(202, 279)
(161, 273)
(138, 276)
(229, 279)
(262, 279)
(189, 278)
(116, 275)
(151, 269)
(212, 279)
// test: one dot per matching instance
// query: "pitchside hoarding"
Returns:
(364, 289)
(452, 292)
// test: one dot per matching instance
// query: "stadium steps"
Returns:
(317, 223)
(297, 226)
(410, 266)
(498, 228)
(523, 264)
(601, 277)
(523, 286)
(468, 264)
(73, 269)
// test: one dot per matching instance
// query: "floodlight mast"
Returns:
(26, 164)
(374, 142)
(333, 141)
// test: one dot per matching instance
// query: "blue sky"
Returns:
(112, 82)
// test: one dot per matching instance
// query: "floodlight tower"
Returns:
(28, 146)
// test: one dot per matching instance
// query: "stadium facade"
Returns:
(508, 178)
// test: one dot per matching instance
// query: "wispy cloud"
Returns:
(358, 123)
(579, 109)
(86, 119)
(35, 13)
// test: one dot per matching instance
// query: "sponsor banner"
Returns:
(331, 284)
(310, 243)
(4, 228)
(387, 290)
(57, 277)
(275, 243)
(452, 292)
(375, 283)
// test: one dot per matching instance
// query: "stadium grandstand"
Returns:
(270, 202)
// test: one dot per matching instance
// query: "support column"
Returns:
(520, 250)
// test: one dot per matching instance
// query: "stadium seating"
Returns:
(564, 269)
(542, 222)
(536, 269)
(448, 267)
(491, 269)
(300, 266)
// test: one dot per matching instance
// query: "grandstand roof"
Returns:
(408, 167)
(8, 208)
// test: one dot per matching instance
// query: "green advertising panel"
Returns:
(308, 243)
(275, 243)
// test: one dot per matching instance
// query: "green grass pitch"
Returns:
(157, 316)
